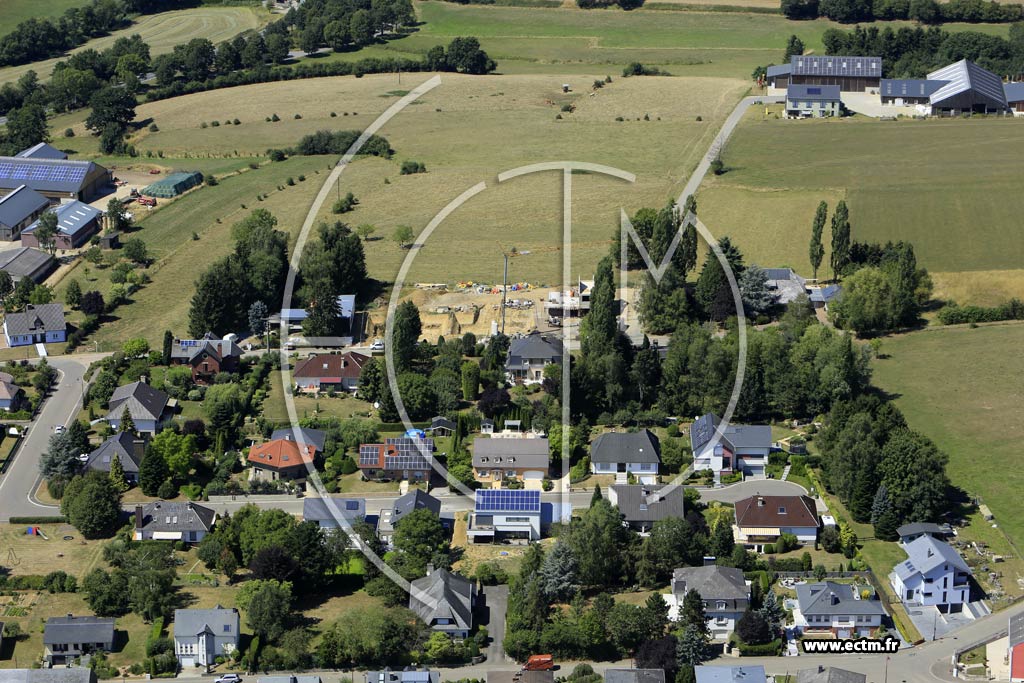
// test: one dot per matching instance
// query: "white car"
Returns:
(377, 345)
(59, 429)
(229, 678)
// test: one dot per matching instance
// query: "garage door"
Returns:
(188, 662)
(533, 480)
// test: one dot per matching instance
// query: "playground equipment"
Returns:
(36, 531)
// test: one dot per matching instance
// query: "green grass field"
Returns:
(13, 12)
(932, 182)
(161, 31)
(962, 388)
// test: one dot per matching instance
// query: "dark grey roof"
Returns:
(1016, 629)
(813, 93)
(164, 515)
(219, 621)
(634, 676)
(19, 204)
(826, 294)
(779, 70)
(72, 629)
(41, 150)
(924, 554)
(71, 218)
(318, 509)
(414, 500)
(516, 453)
(187, 349)
(533, 347)
(918, 528)
(61, 674)
(714, 582)
(441, 422)
(645, 503)
(831, 598)
(829, 65)
(128, 448)
(46, 175)
(624, 447)
(1014, 92)
(734, 436)
(965, 76)
(443, 595)
(409, 675)
(36, 319)
(25, 262)
(142, 400)
(730, 674)
(780, 274)
(909, 87)
(311, 437)
(829, 674)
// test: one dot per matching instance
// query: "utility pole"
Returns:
(886, 669)
(504, 292)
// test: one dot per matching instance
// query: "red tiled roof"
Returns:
(281, 454)
(331, 365)
(1017, 662)
(764, 511)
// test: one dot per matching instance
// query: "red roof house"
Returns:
(326, 371)
(281, 459)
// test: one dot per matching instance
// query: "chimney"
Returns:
(430, 568)
(709, 560)
(144, 379)
(138, 517)
(760, 502)
(70, 615)
(821, 668)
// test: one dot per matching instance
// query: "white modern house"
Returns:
(724, 590)
(933, 574)
(623, 453)
(505, 514)
(202, 635)
(741, 448)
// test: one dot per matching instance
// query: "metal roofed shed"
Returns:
(173, 185)
(55, 178)
(851, 74)
(969, 88)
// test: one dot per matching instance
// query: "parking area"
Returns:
(934, 625)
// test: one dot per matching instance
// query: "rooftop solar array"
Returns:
(58, 173)
(406, 445)
(369, 454)
(507, 500)
(836, 65)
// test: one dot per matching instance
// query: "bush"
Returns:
(958, 315)
(348, 465)
(167, 490)
(339, 142)
(69, 133)
(638, 69)
(410, 167)
(275, 118)
(770, 649)
(235, 121)
(54, 519)
(769, 549)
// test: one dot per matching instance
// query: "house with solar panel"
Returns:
(206, 357)
(849, 74)
(50, 173)
(740, 448)
(505, 514)
(397, 459)
(76, 223)
(959, 88)
(18, 209)
(813, 101)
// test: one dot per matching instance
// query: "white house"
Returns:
(622, 453)
(202, 635)
(761, 520)
(529, 355)
(505, 513)
(741, 448)
(724, 590)
(837, 608)
(36, 324)
(933, 574)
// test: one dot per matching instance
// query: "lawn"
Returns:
(25, 554)
(967, 402)
(179, 259)
(161, 31)
(935, 192)
(341, 406)
(16, 11)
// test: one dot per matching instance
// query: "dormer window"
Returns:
(782, 510)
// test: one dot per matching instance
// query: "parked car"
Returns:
(229, 678)
(59, 429)
(539, 663)
(377, 345)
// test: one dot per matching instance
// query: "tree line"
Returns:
(924, 11)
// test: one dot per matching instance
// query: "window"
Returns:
(720, 605)
(782, 510)
(517, 519)
(227, 628)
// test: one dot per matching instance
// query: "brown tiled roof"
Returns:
(281, 454)
(764, 511)
(343, 366)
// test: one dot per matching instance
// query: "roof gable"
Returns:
(625, 447)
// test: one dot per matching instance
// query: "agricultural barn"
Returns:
(59, 179)
(18, 209)
(41, 150)
(905, 92)
(777, 76)
(968, 89)
(25, 262)
(1015, 97)
(173, 185)
(812, 101)
(851, 74)
(76, 223)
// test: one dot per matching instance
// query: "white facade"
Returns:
(631, 467)
(943, 585)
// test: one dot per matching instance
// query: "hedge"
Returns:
(766, 650)
(957, 315)
(56, 519)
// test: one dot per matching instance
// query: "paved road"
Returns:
(497, 606)
(19, 482)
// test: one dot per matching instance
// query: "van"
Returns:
(539, 663)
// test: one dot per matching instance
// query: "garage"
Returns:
(533, 479)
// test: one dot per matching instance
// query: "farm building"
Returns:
(812, 101)
(1014, 93)
(18, 209)
(76, 223)
(851, 74)
(25, 262)
(59, 179)
(42, 150)
(777, 76)
(173, 185)
(959, 88)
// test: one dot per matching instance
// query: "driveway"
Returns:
(934, 625)
(496, 604)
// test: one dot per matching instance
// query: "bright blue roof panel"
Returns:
(507, 500)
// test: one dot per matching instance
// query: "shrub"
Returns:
(153, 128)
(298, 116)
(211, 181)
(409, 167)
(69, 132)
(41, 519)
(638, 69)
(203, 124)
(167, 490)
(957, 315)
(215, 124)
(290, 182)
(717, 166)
(769, 649)
(275, 118)
(567, 108)
(236, 121)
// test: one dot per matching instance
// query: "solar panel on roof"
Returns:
(507, 500)
(814, 91)
(351, 504)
